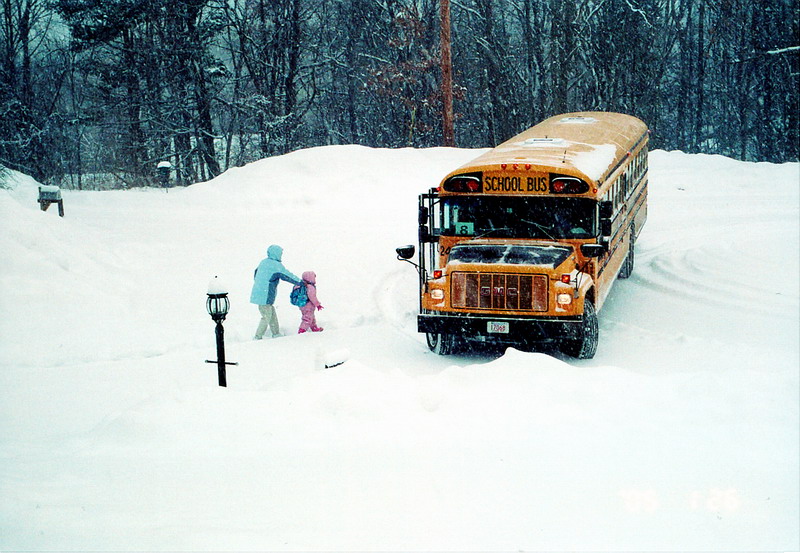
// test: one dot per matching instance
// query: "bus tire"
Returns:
(627, 265)
(584, 346)
(441, 344)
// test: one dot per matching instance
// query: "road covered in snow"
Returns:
(681, 434)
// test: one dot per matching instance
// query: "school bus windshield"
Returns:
(519, 217)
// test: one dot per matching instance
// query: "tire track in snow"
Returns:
(705, 276)
(724, 259)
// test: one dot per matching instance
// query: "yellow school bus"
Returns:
(524, 243)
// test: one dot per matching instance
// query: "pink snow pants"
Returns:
(309, 320)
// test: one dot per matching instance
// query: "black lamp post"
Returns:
(217, 305)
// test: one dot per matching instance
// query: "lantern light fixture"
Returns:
(217, 306)
(164, 168)
(217, 303)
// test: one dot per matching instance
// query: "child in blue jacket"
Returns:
(265, 286)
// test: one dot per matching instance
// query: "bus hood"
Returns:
(494, 253)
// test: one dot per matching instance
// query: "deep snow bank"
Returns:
(681, 434)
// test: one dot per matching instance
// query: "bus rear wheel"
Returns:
(584, 345)
(442, 344)
(627, 265)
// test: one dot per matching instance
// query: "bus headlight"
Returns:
(564, 299)
(437, 294)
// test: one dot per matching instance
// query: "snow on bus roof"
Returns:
(591, 160)
(596, 162)
(586, 142)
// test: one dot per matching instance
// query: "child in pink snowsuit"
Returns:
(309, 321)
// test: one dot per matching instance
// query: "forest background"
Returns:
(96, 93)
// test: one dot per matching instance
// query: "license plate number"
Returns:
(498, 327)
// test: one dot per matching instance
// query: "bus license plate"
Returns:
(498, 327)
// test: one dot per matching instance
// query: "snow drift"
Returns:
(682, 432)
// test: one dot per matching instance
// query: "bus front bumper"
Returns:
(513, 329)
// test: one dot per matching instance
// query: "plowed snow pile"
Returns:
(682, 433)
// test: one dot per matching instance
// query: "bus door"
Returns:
(429, 232)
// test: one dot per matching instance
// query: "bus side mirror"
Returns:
(593, 250)
(405, 252)
(425, 235)
(606, 213)
(606, 210)
(423, 215)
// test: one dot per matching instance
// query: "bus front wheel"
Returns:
(584, 345)
(442, 344)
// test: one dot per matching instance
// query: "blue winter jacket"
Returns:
(268, 273)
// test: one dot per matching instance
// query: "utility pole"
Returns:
(447, 76)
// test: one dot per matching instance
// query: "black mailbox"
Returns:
(51, 195)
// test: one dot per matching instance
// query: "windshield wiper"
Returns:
(542, 228)
(488, 232)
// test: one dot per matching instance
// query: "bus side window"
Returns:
(614, 195)
(628, 182)
(625, 184)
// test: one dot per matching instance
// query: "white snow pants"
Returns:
(269, 318)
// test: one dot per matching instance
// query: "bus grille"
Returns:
(515, 292)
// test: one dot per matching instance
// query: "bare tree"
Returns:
(209, 84)
(28, 99)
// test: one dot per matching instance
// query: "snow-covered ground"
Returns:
(682, 433)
